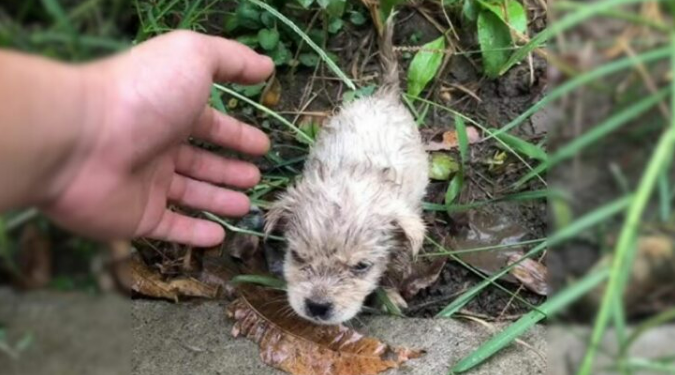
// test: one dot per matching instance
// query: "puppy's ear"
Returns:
(276, 219)
(409, 230)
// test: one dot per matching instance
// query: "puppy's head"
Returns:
(338, 251)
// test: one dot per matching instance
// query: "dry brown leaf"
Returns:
(422, 276)
(299, 347)
(532, 274)
(34, 258)
(150, 283)
(271, 95)
(450, 140)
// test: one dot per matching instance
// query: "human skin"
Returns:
(101, 148)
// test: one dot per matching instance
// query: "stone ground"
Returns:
(82, 334)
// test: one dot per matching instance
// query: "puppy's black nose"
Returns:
(318, 310)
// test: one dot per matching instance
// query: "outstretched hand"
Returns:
(132, 157)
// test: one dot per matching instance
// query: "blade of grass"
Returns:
(583, 223)
(390, 306)
(664, 196)
(595, 134)
(651, 365)
(548, 308)
(329, 62)
(236, 229)
(624, 253)
(268, 281)
(523, 196)
(581, 80)
(266, 110)
(462, 139)
(651, 323)
(581, 14)
(485, 248)
(522, 146)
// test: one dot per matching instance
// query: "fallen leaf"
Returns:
(532, 274)
(299, 347)
(423, 274)
(271, 95)
(487, 230)
(150, 283)
(450, 140)
(34, 258)
(442, 166)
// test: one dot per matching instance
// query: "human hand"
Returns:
(132, 155)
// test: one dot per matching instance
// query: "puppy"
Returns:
(357, 205)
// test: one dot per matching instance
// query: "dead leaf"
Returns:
(450, 140)
(488, 230)
(423, 274)
(271, 95)
(299, 347)
(150, 283)
(532, 274)
(34, 258)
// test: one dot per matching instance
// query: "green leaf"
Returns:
(522, 146)
(494, 38)
(442, 166)
(513, 14)
(249, 91)
(357, 18)
(362, 92)
(335, 25)
(309, 59)
(462, 139)
(248, 40)
(454, 188)
(387, 6)
(470, 10)
(330, 63)
(268, 281)
(425, 65)
(231, 23)
(268, 39)
(305, 3)
(336, 8)
(268, 20)
(311, 130)
(248, 16)
(281, 55)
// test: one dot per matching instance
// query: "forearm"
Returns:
(43, 108)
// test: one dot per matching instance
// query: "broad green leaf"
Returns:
(470, 10)
(351, 95)
(522, 146)
(231, 23)
(513, 14)
(335, 25)
(248, 40)
(281, 55)
(309, 59)
(357, 18)
(454, 188)
(310, 129)
(425, 65)
(249, 90)
(305, 3)
(495, 42)
(268, 39)
(442, 166)
(248, 16)
(336, 8)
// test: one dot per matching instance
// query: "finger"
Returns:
(231, 133)
(174, 227)
(204, 196)
(234, 62)
(206, 166)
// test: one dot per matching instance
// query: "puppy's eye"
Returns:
(361, 267)
(296, 257)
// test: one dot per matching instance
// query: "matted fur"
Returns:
(357, 203)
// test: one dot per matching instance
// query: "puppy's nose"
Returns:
(318, 310)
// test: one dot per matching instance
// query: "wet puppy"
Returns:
(357, 204)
